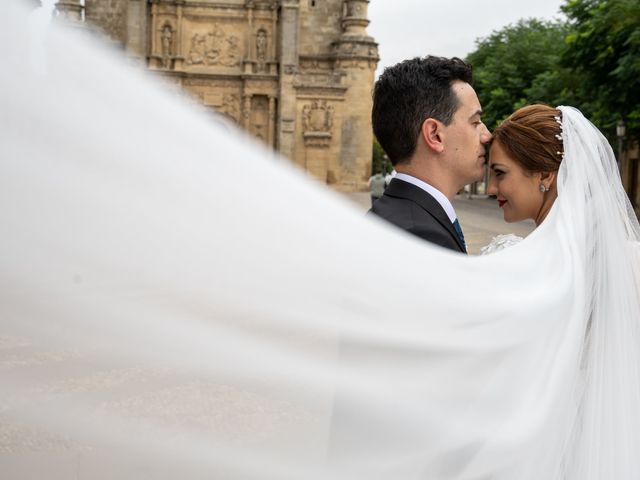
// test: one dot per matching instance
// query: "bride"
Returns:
(156, 322)
(554, 165)
(526, 152)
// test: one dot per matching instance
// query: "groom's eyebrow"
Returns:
(477, 113)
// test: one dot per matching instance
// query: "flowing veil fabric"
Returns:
(163, 316)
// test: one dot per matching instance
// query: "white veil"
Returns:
(164, 316)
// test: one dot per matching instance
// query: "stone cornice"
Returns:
(215, 76)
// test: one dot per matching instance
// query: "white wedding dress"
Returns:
(157, 322)
(500, 242)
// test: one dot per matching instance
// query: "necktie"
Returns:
(456, 225)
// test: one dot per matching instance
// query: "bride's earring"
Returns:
(543, 189)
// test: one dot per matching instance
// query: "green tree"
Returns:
(519, 65)
(603, 50)
(379, 161)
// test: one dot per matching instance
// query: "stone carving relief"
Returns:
(253, 62)
(317, 116)
(261, 51)
(315, 64)
(214, 48)
(317, 123)
(230, 107)
(261, 45)
(354, 9)
(166, 41)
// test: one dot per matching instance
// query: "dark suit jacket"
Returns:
(414, 210)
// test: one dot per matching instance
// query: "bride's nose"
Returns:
(492, 186)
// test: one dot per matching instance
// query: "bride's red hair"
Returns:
(529, 136)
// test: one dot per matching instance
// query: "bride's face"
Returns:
(517, 191)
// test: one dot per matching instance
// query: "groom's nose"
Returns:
(485, 136)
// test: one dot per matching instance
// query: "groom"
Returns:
(427, 118)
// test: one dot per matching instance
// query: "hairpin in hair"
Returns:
(560, 136)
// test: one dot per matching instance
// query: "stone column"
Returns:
(246, 111)
(70, 10)
(248, 60)
(250, 7)
(154, 14)
(288, 63)
(272, 114)
(136, 46)
(355, 21)
(274, 29)
(356, 55)
(178, 47)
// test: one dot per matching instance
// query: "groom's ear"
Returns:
(431, 132)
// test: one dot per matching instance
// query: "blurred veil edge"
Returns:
(176, 305)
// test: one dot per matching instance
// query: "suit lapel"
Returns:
(400, 189)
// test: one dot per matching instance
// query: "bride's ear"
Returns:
(548, 179)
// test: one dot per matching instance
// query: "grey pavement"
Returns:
(480, 217)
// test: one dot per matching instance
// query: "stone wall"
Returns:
(297, 74)
(110, 16)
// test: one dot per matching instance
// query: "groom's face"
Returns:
(466, 137)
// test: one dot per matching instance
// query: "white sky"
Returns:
(414, 28)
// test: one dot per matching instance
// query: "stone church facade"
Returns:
(297, 74)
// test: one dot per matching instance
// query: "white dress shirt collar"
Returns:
(434, 192)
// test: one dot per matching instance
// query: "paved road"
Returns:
(480, 217)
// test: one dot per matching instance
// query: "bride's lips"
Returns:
(501, 203)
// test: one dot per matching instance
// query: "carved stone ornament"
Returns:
(231, 107)
(261, 45)
(317, 117)
(317, 139)
(317, 121)
(214, 48)
(166, 40)
(354, 9)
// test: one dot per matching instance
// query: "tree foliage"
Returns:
(591, 61)
(603, 50)
(518, 65)
(379, 160)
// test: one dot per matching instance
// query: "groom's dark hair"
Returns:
(408, 93)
